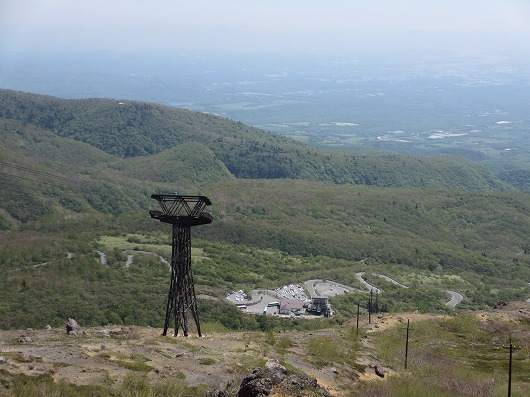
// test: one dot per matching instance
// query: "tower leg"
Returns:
(181, 295)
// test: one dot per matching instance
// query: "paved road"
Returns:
(130, 258)
(261, 298)
(456, 298)
(369, 287)
(166, 262)
(391, 280)
(310, 285)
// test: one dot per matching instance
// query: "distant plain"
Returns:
(470, 106)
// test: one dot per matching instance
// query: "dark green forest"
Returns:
(76, 173)
(128, 130)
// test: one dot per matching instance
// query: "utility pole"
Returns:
(510, 371)
(512, 348)
(358, 304)
(370, 308)
(407, 344)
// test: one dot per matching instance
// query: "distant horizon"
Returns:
(384, 75)
(242, 26)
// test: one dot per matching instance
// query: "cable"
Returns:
(18, 167)
(27, 179)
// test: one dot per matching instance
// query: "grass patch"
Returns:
(138, 366)
(133, 362)
(459, 356)
(139, 385)
(18, 357)
(138, 242)
(21, 385)
(325, 350)
(214, 327)
(207, 361)
(283, 344)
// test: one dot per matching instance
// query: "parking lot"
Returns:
(259, 301)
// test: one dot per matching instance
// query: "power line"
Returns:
(26, 179)
(44, 174)
(18, 167)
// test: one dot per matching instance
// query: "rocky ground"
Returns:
(105, 355)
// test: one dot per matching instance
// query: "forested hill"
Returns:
(135, 129)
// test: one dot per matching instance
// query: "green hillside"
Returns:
(283, 212)
(131, 129)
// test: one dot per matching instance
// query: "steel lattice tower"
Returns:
(182, 212)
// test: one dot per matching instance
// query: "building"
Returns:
(291, 306)
(320, 306)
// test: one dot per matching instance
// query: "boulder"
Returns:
(24, 339)
(72, 327)
(501, 304)
(255, 386)
(379, 371)
(275, 379)
(105, 333)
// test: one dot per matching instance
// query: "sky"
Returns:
(247, 26)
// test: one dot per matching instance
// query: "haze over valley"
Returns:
(352, 151)
(453, 105)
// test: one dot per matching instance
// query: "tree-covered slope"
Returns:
(421, 228)
(42, 174)
(265, 234)
(132, 129)
(305, 214)
(123, 128)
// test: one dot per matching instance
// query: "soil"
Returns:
(105, 355)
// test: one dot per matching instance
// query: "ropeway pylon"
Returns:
(182, 212)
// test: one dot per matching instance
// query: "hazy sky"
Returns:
(263, 25)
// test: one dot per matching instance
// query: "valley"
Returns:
(360, 171)
(77, 241)
(257, 301)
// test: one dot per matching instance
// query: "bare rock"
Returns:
(501, 304)
(379, 371)
(24, 339)
(253, 386)
(278, 371)
(72, 327)
(105, 333)
(275, 379)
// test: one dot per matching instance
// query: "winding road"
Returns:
(456, 298)
(258, 296)
(369, 287)
(159, 257)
